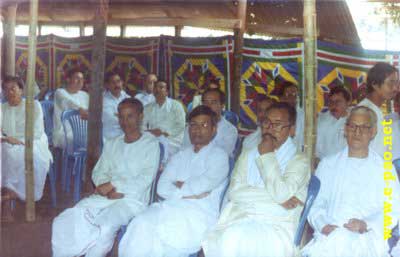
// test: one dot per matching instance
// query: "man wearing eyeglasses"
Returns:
(348, 213)
(330, 128)
(265, 196)
(382, 86)
(227, 134)
(191, 184)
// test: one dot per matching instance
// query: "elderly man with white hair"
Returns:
(357, 185)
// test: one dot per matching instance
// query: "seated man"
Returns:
(263, 102)
(111, 98)
(330, 125)
(165, 119)
(348, 213)
(265, 196)
(197, 97)
(227, 134)
(13, 145)
(123, 177)
(70, 97)
(147, 96)
(290, 95)
(192, 185)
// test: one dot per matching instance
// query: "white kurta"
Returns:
(176, 226)
(91, 225)
(252, 140)
(299, 136)
(253, 223)
(64, 101)
(225, 137)
(111, 126)
(12, 156)
(351, 188)
(170, 118)
(330, 135)
(145, 98)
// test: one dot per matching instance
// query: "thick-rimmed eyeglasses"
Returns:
(277, 126)
(362, 128)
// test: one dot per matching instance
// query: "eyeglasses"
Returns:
(277, 126)
(353, 128)
(210, 102)
(193, 125)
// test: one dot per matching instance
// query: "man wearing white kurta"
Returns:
(227, 134)
(330, 125)
(192, 186)
(71, 97)
(165, 119)
(123, 177)
(347, 215)
(13, 142)
(263, 102)
(111, 98)
(146, 96)
(382, 83)
(290, 95)
(266, 194)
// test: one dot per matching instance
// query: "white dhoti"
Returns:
(90, 227)
(13, 169)
(342, 242)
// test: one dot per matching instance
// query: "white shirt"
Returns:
(111, 126)
(170, 118)
(145, 98)
(225, 137)
(299, 136)
(252, 140)
(63, 100)
(330, 135)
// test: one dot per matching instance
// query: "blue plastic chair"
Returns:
(75, 150)
(231, 117)
(313, 189)
(49, 94)
(48, 110)
(396, 164)
(189, 107)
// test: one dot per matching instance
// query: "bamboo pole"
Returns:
(29, 112)
(9, 38)
(238, 56)
(96, 91)
(178, 31)
(310, 71)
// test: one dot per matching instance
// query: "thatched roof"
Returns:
(276, 18)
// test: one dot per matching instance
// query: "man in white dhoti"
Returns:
(330, 125)
(356, 186)
(123, 177)
(290, 95)
(165, 119)
(111, 98)
(192, 186)
(382, 83)
(13, 145)
(263, 102)
(70, 97)
(265, 196)
(227, 134)
(146, 96)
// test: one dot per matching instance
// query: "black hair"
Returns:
(378, 74)
(15, 79)
(288, 108)
(204, 110)
(133, 102)
(217, 90)
(340, 90)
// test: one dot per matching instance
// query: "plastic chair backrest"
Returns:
(313, 189)
(79, 130)
(231, 117)
(190, 107)
(48, 109)
(49, 94)
(155, 180)
(396, 164)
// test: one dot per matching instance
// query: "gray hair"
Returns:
(364, 111)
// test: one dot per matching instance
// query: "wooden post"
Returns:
(238, 57)
(96, 91)
(310, 72)
(9, 38)
(178, 31)
(81, 30)
(29, 112)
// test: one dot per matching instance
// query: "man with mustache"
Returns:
(330, 128)
(113, 95)
(265, 196)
